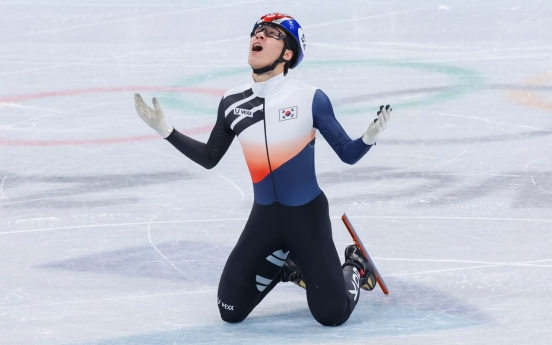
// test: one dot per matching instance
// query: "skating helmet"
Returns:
(293, 31)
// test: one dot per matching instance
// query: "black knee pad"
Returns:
(330, 316)
(231, 318)
(229, 314)
(331, 321)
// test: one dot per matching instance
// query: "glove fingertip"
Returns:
(156, 104)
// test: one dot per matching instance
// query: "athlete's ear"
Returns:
(288, 55)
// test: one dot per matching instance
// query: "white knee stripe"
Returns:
(280, 254)
(275, 261)
(261, 287)
(262, 280)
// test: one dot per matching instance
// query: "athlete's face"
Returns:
(265, 46)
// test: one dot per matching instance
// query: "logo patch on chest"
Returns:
(287, 114)
(244, 112)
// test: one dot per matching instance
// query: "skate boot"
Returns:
(354, 257)
(292, 273)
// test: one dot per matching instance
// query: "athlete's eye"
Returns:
(269, 31)
(272, 32)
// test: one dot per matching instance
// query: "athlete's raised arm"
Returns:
(349, 151)
(207, 155)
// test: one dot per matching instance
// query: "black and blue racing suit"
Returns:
(276, 122)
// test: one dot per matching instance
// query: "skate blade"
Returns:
(358, 242)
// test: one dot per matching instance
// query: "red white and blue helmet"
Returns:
(291, 27)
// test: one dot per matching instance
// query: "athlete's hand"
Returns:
(377, 126)
(153, 117)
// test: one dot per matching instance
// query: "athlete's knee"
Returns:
(330, 315)
(332, 320)
(231, 317)
(228, 313)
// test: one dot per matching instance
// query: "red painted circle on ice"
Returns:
(27, 97)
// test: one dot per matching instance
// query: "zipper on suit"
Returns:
(267, 155)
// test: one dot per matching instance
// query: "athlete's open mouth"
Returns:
(257, 47)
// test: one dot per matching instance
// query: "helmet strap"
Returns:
(273, 66)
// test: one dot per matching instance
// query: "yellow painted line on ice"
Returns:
(530, 98)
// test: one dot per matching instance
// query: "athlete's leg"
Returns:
(331, 291)
(253, 266)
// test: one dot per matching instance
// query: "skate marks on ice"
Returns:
(410, 309)
(38, 191)
(423, 90)
(524, 189)
(145, 262)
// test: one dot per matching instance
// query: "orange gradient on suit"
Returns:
(256, 159)
(280, 152)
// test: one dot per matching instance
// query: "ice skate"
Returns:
(292, 273)
(358, 243)
(354, 257)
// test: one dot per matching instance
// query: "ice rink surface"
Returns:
(108, 235)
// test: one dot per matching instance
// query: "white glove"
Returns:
(377, 126)
(153, 117)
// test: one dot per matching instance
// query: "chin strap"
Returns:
(273, 66)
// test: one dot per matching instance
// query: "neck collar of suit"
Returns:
(269, 87)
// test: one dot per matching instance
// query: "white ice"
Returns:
(108, 235)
